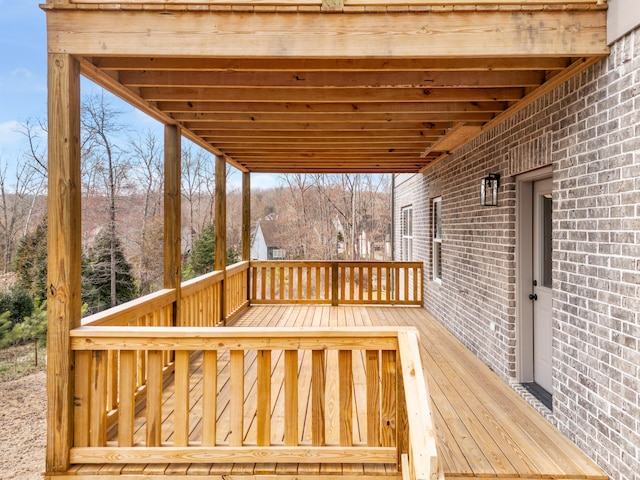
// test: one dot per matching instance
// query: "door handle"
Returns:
(533, 296)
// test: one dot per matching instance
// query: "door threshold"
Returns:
(540, 394)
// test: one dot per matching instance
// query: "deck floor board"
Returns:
(484, 428)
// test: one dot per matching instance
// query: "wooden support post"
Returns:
(221, 227)
(172, 210)
(246, 216)
(64, 255)
(246, 225)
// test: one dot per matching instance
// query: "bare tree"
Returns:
(20, 188)
(36, 160)
(107, 166)
(147, 171)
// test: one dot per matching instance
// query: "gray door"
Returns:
(542, 284)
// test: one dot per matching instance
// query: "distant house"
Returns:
(264, 243)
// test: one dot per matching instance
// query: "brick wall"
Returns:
(588, 129)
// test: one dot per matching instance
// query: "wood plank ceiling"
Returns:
(270, 109)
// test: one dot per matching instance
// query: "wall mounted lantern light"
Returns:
(489, 190)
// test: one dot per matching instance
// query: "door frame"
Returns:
(524, 271)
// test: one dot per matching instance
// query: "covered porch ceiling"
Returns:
(329, 87)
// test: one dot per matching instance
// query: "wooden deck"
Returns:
(484, 428)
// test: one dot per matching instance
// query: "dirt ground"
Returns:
(23, 405)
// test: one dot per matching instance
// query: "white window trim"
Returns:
(406, 233)
(436, 245)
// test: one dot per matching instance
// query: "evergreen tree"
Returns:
(18, 303)
(5, 327)
(204, 251)
(97, 275)
(31, 262)
(202, 258)
(33, 328)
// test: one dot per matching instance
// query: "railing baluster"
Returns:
(98, 396)
(282, 273)
(389, 389)
(126, 411)
(373, 398)
(345, 374)
(300, 281)
(291, 397)
(291, 282)
(82, 399)
(112, 381)
(318, 386)
(209, 397)
(263, 283)
(254, 282)
(236, 404)
(154, 399)
(352, 283)
(264, 397)
(181, 400)
(308, 287)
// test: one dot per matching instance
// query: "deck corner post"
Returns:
(64, 254)
(172, 220)
(221, 229)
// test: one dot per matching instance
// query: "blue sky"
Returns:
(23, 79)
(23, 69)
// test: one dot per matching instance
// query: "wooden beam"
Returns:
(305, 79)
(266, 119)
(333, 95)
(426, 132)
(64, 254)
(172, 216)
(184, 110)
(223, 64)
(506, 33)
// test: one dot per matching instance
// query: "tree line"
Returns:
(314, 216)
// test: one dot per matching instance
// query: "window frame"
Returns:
(436, 239)
(406, 233)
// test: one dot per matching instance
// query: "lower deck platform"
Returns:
(484, 428)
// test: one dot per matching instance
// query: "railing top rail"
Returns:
(313, 263)
(133, 309)
(235, 338)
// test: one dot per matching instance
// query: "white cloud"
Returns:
(10, 135)
(22, 80)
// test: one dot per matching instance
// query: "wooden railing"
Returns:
(224, 378)
(202, 303)
(336, 283)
